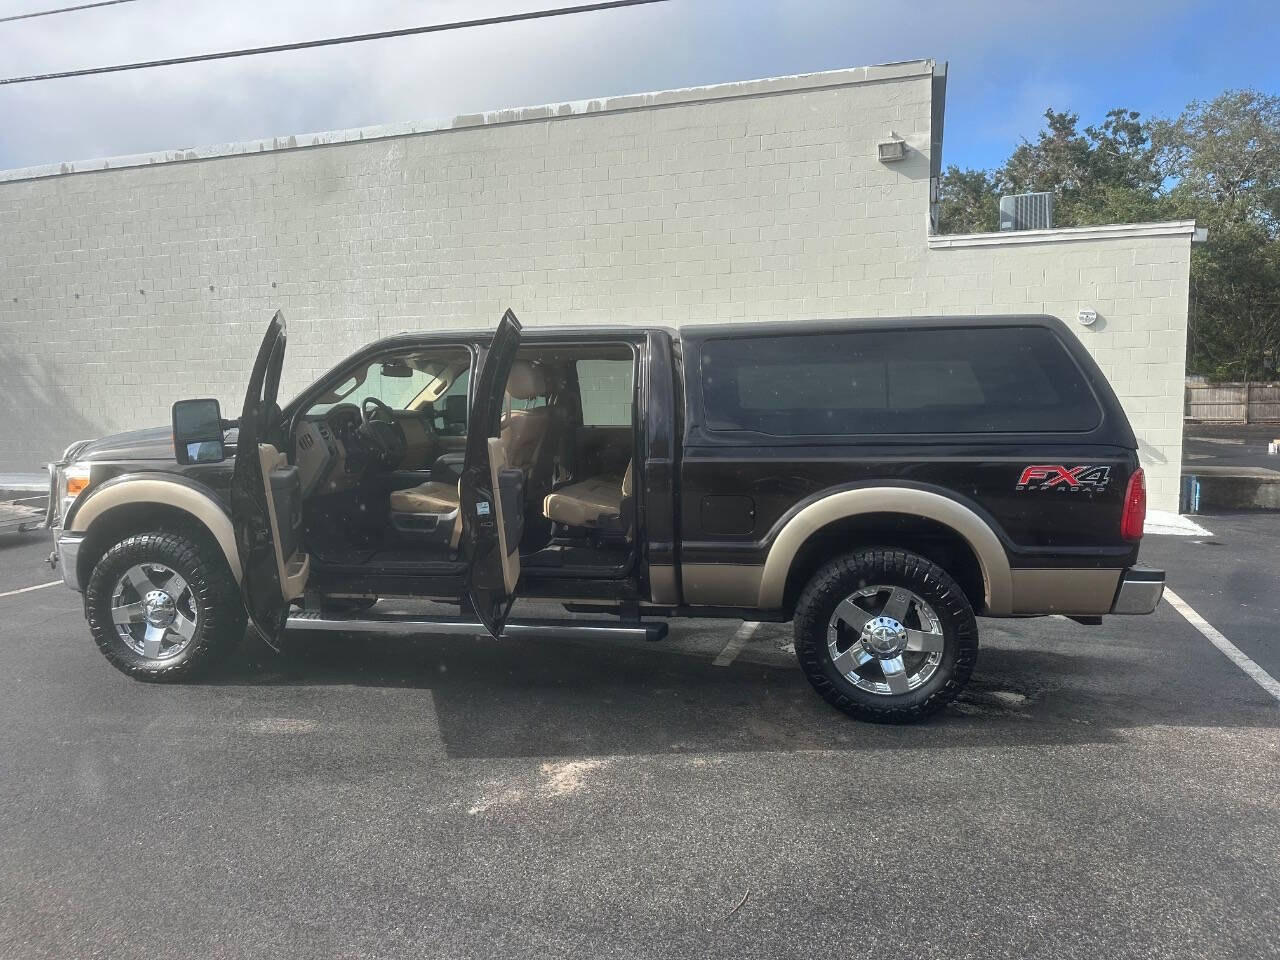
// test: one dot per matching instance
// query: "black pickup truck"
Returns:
(878, 482)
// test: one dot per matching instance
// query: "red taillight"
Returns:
(1135, 507)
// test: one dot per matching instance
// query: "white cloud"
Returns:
(996, 48)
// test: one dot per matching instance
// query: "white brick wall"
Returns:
(124, 289)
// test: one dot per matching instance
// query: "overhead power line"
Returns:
(50, 13)
(334, 41)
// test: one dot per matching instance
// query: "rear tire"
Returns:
(901, 628)
(163, 606)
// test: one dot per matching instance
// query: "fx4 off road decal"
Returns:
(1069, 479)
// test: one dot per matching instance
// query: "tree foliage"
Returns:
(1222, 159)
(967, 201)
(1217, 163)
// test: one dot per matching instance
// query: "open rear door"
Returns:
(266, 497)
(492, 495)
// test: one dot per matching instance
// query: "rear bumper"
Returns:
(1084, 591)
(1140, 591)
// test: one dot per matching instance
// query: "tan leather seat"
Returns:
(588, 503)
(524, 432)
(438, 499)
(524, 438)
(431, 497)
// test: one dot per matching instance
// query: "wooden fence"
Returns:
(1233, 402)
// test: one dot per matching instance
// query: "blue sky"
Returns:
(1008, 61)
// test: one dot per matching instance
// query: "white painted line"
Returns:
(736, 643)
(38, 586)
(1233, 653)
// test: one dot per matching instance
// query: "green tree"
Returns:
(1233, 321)
(1217, 163)
(1222, 161)
(1224, 158)
(1107, 174)
(968, 202)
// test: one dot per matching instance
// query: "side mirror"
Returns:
(197, 431)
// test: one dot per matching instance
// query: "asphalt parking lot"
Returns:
(1099, 792)
(1229, 445)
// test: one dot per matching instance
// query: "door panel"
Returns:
(509, 509)
(660, 417)
(266, 497)
(491, 496)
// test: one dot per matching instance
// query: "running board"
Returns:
(407, 625)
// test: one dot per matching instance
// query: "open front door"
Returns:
(266, 497)
(492, 495)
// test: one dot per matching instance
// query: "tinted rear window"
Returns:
(955, 380)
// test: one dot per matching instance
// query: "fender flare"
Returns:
(973, 529)
(186, 495)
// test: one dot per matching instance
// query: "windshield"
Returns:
(402, 384)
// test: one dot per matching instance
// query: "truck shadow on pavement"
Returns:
(567, 699)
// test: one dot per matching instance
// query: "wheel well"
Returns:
(131, 518)
(929, 538)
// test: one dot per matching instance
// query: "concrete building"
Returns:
(126, 284)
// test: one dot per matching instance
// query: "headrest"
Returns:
(526, 381)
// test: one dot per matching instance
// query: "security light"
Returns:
(895, 148)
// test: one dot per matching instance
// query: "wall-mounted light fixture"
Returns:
(1087, 317)
(895, 148)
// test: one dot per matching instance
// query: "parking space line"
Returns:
(38, 586)
(1233, 653)
(736, 643)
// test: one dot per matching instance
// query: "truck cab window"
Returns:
(607, 386)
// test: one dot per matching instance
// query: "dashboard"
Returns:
(328, 453)
(332, 452)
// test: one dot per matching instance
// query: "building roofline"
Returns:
(1173, 228)
(850, 76)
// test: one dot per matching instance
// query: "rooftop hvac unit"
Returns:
(1026, 211)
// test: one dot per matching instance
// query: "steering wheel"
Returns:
(368, 402)
(384, 438)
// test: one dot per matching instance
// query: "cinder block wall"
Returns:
(125, 285)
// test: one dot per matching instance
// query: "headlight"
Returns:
(73, 480)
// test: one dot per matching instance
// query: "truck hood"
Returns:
(153, 443)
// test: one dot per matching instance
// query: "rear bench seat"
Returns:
(596, 502)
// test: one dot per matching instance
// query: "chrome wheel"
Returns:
(154, 611)
(885, 640)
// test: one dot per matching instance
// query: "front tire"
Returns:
(885, 635)
(163, 606)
